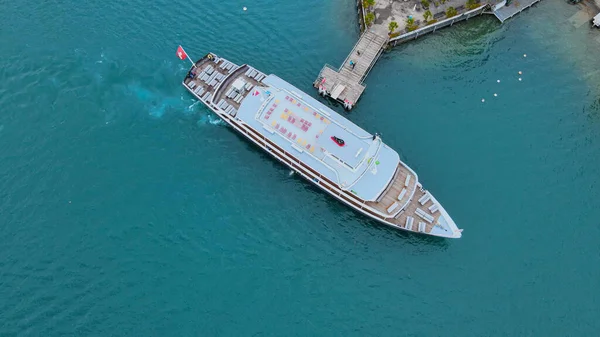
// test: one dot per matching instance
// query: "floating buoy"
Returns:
(520, 72)
(498, 81)
(495, 95)
(245, 8)
(519, 79)
(482, 100)
(524, 55)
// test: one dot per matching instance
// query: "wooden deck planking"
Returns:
(364, 55)
(391, 194)
(411, 211)
(200, 66)
(238, 73)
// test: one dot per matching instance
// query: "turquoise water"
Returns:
(129, 210)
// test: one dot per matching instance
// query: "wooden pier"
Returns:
(506, 10)
(345, 84)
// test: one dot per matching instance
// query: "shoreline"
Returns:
(346, 84)
(444, 16)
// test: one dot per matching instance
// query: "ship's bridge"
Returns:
(321, 138)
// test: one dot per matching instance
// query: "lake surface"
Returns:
(126, 209)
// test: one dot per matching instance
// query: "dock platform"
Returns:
(345, 84)
(504, 12)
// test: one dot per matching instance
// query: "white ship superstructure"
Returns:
(333, 153)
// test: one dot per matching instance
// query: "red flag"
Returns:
(181, 53)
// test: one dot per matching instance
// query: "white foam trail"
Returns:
(192, 105)
(215, 121)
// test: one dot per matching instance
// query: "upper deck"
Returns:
(305, 127)
(313, 131)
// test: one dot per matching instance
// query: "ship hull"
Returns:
(254, 137)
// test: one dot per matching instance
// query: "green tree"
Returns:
(425, 4)
(368, 3)
(411, 25)
(427, 15)
(472, 4)
(392, 26)
(369, 18)
(450, 12)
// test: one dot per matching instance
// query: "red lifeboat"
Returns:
(338, 141)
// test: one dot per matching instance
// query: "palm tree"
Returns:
(411, 25)
(369, 18)
(392, 26)
(368, 3)
(427, 15)
(450, 12)
(472, 4)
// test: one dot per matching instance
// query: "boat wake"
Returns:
(155, 103)
(209, 119)
(214, 120)
(191, 107)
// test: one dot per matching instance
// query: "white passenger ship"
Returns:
(319, 144)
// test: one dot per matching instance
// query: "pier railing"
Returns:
(320, 76)
(371, 67)
(433, 27)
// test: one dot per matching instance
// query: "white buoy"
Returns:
(245, 8)
(519, 79)
(524, 55)
(482, 100)
(520, 72)
(498, 81)
(495, 95)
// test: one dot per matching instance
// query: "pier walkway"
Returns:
(504, 12)
(345, 84)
